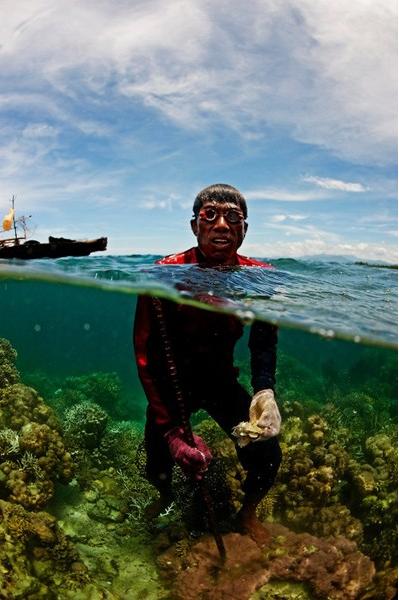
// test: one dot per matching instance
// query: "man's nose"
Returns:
(221, 222)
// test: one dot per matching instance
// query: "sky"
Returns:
(115, 114)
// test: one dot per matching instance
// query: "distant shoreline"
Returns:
(378, 266)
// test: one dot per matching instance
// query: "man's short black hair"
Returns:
(220, 192)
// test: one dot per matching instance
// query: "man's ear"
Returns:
(194, 226)
(245, 227)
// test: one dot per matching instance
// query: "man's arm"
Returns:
(263, 411)
(144, 328)
(193, 460)
(263, 347)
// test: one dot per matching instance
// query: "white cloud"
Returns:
(153, 203)
(297, 217)
(324, 71)
(65, 184)
(381, 218)
(309, 247)
(282, 195)
(22, 154)
(39, 130)
(306, 240)
(282, 218)
(335, 184)
(307, 231)
(160, 199)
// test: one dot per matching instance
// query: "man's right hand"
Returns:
(264, 412)
(193, 461)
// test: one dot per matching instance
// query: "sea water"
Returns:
(70, 322)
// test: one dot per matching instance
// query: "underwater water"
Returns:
(73, 496)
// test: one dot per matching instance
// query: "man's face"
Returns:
(220, 229)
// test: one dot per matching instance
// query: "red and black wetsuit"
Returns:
(203, 347)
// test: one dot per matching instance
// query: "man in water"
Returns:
(200, 345)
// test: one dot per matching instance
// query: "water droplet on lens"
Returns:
(247, 317)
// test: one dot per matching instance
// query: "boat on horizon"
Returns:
(20, 247)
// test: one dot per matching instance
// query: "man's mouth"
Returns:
(221, 241)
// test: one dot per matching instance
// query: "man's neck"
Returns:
(205, 261)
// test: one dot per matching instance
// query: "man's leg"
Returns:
(261, 460)
(159, 466)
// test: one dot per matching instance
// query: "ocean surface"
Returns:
(70, 322)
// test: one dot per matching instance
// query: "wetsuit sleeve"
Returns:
(263, 347)
(145, 326)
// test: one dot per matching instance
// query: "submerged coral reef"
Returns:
(325, 489)
(36, 558)
(330, 514)
(91, 545)
(63, 393)
(33, 455)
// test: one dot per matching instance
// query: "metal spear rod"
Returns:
(188, 433)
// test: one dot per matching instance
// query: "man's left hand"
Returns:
(264, 412)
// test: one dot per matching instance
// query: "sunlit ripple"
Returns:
(333, 299)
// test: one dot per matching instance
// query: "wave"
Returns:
(334, 299)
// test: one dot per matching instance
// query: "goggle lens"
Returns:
(231, 215)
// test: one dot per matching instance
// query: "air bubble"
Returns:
(37, 327)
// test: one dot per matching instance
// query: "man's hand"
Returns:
(264, 413)
(192, 460)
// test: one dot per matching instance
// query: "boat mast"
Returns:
(14, 223)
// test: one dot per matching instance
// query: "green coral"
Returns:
(36, 559)
(189, 498)
(312, 469)
(337, 477)
(121, 447)
(319, 485)
(103, 389)
(109, 466)
(339, 469)
(223, 449)
(376, 487)
(282, 590)
(62, 393)
(323, 489)
(339, 473)
(8, 371)
(84, 425)
(33, 455)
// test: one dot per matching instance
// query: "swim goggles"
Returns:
(231, 215)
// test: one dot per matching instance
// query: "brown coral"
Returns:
(20, 405)
(333, 569)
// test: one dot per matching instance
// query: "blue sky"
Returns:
(113, 115)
